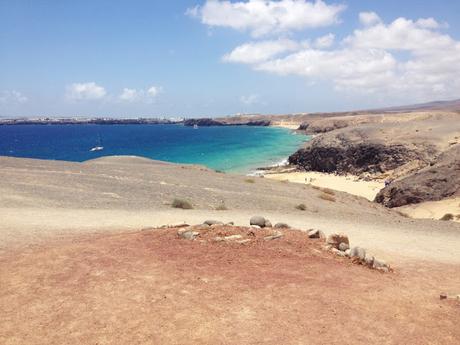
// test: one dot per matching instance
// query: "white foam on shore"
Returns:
(258, 172)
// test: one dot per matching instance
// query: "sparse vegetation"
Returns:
(183, 204)
(250, 180)
(327, 197)
(301, 207)
(221, 207)
(447, 216)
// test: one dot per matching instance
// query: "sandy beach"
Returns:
(433, 209)
(349, 184)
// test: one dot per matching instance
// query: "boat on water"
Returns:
(195, 126)
(98, 146)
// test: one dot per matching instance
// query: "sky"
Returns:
(195, 58)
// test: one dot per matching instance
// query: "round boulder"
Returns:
(257, 220)
(358, 253)
(282, 226)
(343, 246)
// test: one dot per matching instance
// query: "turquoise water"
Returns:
(230, 149)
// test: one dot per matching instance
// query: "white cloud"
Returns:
(254, 52)
(325, 41)
(129, 95)
(369, 18)
(250, 99)
(261, 17)
(408, 59)
(153, 91)
(140, 95)
(12, 97)
(85, 91)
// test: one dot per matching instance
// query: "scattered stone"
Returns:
(230, 223)
(246, 241)
(358, 252)
(189, 235)
(379, 264)
(232, 238)
(276, 235)
(443, 296)
(335, 240)
(268, 224)
(369, 261)
(347, 252)
(338, 252)
(257, 220)
(281, 226)
(316, 234)
(213, 222)
(344, 246)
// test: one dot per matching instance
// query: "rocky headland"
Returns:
(416, 153)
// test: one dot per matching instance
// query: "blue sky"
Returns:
(207, 58)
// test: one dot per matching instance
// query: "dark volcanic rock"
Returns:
(442, 180)
(206, 122)
(354, 158)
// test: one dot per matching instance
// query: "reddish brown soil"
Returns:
(151, 287)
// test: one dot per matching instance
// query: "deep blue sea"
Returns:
(230, 149)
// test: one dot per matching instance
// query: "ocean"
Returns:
(238, 149)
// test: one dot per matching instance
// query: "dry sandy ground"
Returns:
(349, 184)
(75, 269)
(433, 209)
(150, 287)
(43, 199)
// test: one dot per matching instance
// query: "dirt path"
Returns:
(150, 287)
(394, 243)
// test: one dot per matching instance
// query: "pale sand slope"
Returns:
(349, 184)
(42, 199)
(433, 209)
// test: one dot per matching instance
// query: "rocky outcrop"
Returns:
(353, 158)
(205, 122)
(433, 183)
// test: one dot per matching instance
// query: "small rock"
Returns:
(212, 222)
(281, 226)
(232, 237)
(379, 263)
(358, 252)
(369, 261)
(256, 227)
(268, 224)
(316, 234)
(244, 241)
(443, 296)
(257, 220)
(338, 252)
(347, 252)
(335, 240)
(230, 224)
(276, 235)
(343, 246)
(189, 235)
